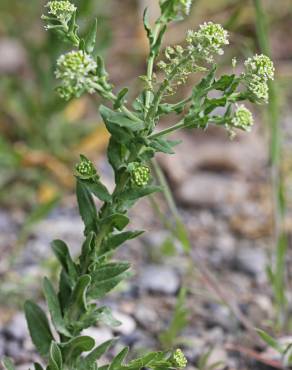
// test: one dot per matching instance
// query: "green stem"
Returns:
(168, 130)
(150, 63)
(124, 109)
(158, 96)
(112, 97)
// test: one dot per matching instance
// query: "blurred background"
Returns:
(233, 198)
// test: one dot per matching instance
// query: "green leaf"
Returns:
(62, 253)
(91, 38)
(55, 358)
(147, 27)
(211, 104)
(224, 82)
(119, 119)
(39, 327)
(136, 193)
(87, 249)
(105, 316)
(169, 10)
(178, 322)
(182, 235)
(117, 220)
(87, 207)
(121, 98)
(65, 289)
(8, 364)
(75, 347)
(54, 308)
(147, 360)
(117, 361)
(270, 341)
(106, 277)
(155, 48)
(78, 302)
(98, 189)
(203, 88)
(164, 145)
(96, 354)
(37, 366)
(114, 241)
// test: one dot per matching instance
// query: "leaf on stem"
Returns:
(39, 327)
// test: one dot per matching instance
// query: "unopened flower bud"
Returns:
(140, 175)
(85, 168)
(242, 118)
(179, 359)
(76, 69)
(258, 88)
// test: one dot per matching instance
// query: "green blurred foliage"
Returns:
(32, 117)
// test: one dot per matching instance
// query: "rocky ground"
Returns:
(222, 190)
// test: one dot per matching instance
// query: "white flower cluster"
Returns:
(242, 118)
(259, 69)
(207, 41)
(260, 65)
(77, 70)
(61, 10)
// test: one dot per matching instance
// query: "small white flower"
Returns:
(208, 40)
(261, 66)
(62, 10)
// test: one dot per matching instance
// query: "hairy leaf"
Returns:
(91, 38)
(61, 251)
(116, 240)
(75, 347)
(86, 207)
(39, 327)
(96, 354)
(55, 358)
(106, 277)
(54, 308)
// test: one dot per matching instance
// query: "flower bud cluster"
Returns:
(140, 175)
(259, 69)
(77, 71)
(61, 10)
(179, 359)
(207, 41)
(85, 169)
(242, 118)
(175, 61)
(202, 45)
